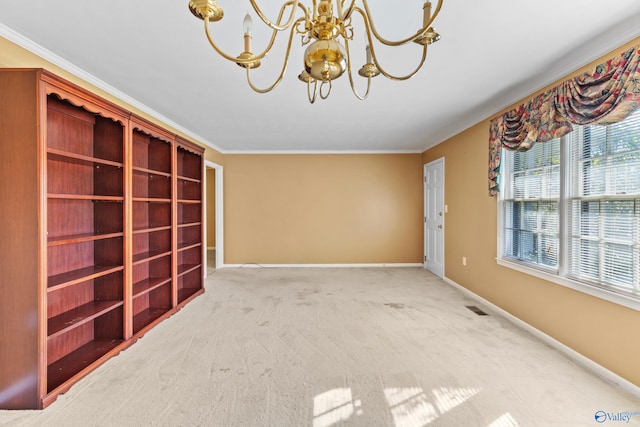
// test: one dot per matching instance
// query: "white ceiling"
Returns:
(492, 53)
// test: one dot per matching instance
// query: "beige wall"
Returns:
(323, 209)
(605, 332)
(214, 156)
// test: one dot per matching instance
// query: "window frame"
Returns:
(560, 275)
(506, 165)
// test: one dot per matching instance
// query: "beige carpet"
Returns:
(334, 347)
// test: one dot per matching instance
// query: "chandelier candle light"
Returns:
(325, 58)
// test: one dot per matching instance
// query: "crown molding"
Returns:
(333, 152)
(28, 44)
(589, 51)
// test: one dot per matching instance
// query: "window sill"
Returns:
(610, 296)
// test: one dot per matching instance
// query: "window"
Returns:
(570, 207)
(531, 204)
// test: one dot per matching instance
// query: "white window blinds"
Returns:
(531, 205)
(571, 207)
(604, 205)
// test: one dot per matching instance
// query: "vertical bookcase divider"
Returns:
(102, 223)
(128, 221)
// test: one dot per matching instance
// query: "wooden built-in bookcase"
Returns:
(152, 198)
(189, 247)
(102, 232)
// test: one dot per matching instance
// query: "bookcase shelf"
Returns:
(187, 268)
(185, 293)
(66, 156)
(151, 200)
(77, 360)
(94, 179)
(151, 185)
(147, 317)
(149, 215)
(149, 256)
(189, 259)
(149, 284)
(185, 246)
(187, 179)
(189, 281)
(189, 235)
(152, 229)
(72, 277)
(152, 290)
(189, 213)
(105, 228)
(153, 172)
(77, 238)
(88, 197)
(77, 316)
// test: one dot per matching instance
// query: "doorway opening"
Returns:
(213, 224)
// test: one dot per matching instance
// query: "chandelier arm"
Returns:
(312, 99)
(374, 58)
(278, 26)
(284, 65)
(234, 58)
(353, 87)
(324, 82)
(406, 77)
(382, 40)
(346, 14)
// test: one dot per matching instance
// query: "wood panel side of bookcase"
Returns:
(21, 222)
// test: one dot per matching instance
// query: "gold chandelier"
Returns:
(320, 27)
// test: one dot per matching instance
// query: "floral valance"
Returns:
(605, 95)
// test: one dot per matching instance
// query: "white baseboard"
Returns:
(390, 265)
(599, 370)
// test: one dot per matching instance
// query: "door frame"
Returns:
(444, 210)
(219, 225)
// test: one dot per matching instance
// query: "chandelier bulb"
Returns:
(247, 23)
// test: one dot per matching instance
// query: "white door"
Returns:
(434, 210)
